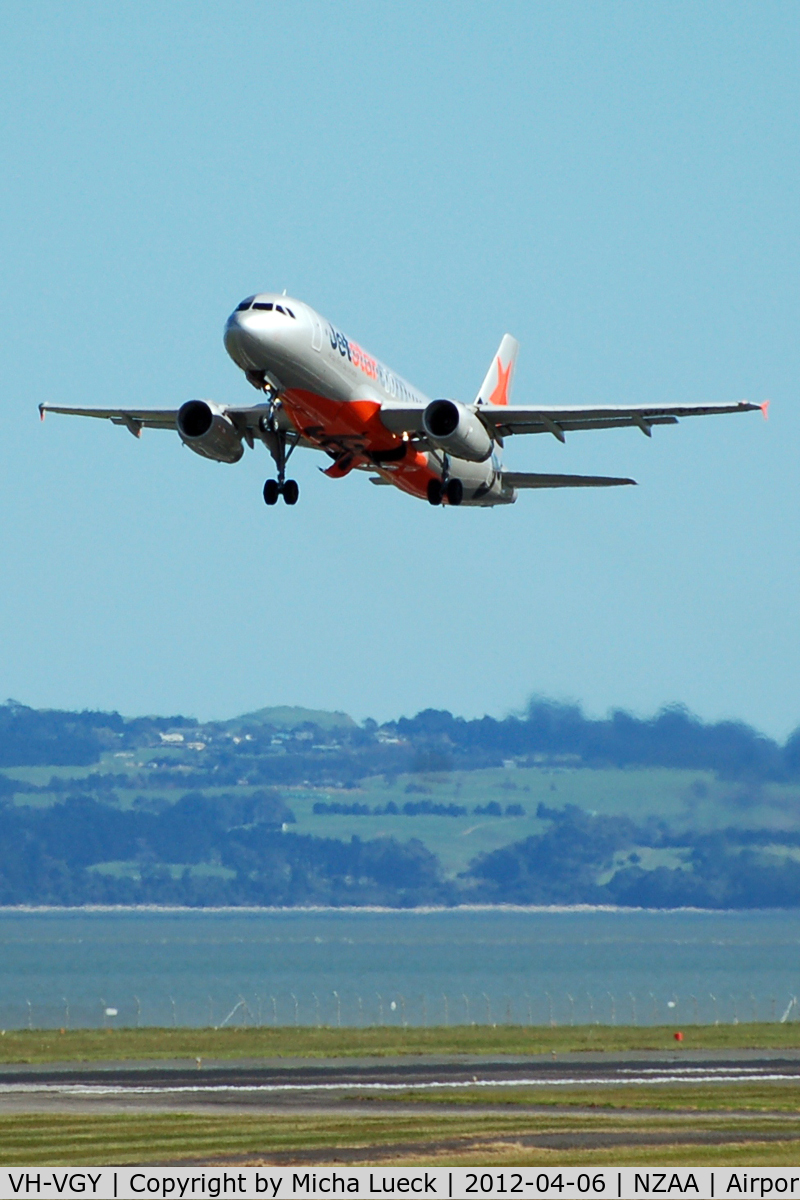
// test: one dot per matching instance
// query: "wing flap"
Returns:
(401, 419)
(526, 479)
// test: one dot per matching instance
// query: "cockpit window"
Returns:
(245, 304)
(269, 306)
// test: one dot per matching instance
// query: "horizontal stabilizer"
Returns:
(526, 479)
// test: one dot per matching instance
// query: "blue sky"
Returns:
(614, 184)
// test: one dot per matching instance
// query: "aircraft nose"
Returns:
(240, 342)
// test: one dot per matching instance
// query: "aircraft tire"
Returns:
(434, 491)
(454, 492)
(271, 491)
(291, 492)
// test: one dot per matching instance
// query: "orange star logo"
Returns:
(500, 393)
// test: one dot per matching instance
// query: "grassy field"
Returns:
(695, 800)
(753, 1122)
(763, 1097)
(484, 1138)
(456, 840)
(88, 1045)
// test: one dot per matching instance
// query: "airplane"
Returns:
(323, 391)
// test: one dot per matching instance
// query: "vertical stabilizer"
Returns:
(496, 387)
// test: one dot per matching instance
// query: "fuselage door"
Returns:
(316, 337)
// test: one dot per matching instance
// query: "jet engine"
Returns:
(457, 429)
(206, 429)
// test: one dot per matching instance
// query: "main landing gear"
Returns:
(446, 488)
(288, 489)
(452, 492)
(281, 446)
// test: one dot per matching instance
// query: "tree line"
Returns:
(433, 740)
(235, 850)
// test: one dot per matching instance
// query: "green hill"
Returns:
(285, 716)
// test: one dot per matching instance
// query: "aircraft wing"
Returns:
(527, 479)
(136, 419)
(149, 418)
(508, 419)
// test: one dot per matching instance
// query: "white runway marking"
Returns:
(682, 1075)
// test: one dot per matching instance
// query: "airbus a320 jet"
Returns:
(320, 390)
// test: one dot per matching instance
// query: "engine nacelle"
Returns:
(457, 429)
(204, 428)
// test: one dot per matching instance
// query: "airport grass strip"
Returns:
(93, 1045)
(159, 1138)
(724, 1098)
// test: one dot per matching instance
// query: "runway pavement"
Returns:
(288, 1085)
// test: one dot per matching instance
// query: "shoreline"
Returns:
(354, 910)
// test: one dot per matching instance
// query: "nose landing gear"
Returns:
(280, 445)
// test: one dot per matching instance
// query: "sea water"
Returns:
(128, 967)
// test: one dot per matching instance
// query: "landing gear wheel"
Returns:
(454, 492)
(291, 492)
(434, 491)
(271, 491)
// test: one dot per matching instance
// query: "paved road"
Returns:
(291, 1084)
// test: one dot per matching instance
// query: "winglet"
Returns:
(42, 411)
(765, 409)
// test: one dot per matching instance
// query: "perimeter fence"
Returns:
(372, 1009)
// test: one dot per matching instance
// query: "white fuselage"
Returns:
(340, 398)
